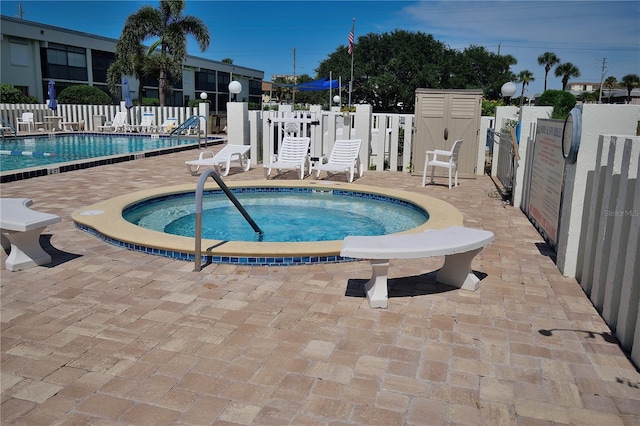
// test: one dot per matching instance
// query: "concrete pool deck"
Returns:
(106, 335)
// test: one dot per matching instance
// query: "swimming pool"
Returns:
(27, 152)
(283, 215)
(105, 221)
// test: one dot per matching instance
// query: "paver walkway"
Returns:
(108, 336)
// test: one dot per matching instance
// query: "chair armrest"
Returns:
(205, 154)
(441, 152)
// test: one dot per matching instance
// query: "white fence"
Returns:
(91, 115)
(599, 232)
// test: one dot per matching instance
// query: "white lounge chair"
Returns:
(293, 154)
(222, 159)
(344, 157)
(25, 120)
(168, 124)
(449, 162)
(147, 124)
(119, 122)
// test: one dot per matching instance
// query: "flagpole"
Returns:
(351, 46)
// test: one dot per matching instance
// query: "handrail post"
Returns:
(198, 212)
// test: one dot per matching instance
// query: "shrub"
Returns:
(11, 95)
(561, 101)
(489, 107)
(150, 102)
(194, 103)
(83, 95)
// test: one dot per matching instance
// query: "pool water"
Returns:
(298, 216)
(21, 153)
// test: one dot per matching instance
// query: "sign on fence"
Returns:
(546, 178)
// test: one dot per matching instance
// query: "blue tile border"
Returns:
(190, 257)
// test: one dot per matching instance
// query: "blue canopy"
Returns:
(51, 92)
(322, 84)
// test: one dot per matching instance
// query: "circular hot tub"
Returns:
(172, 234)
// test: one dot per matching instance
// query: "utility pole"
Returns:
(20, 10)
(604, 69)
(293, 89)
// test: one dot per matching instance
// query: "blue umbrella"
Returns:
(53, 104)
(128, 103)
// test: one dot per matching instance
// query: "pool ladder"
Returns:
(189, 123)
(232, 198)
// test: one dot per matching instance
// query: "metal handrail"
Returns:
(234, 200)
(5, 124)
(189, 122)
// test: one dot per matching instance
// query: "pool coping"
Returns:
(68, 166)
(104, 220)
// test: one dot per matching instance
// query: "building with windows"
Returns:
(31, 54)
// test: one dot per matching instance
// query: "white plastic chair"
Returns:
(344, 157)
(25, 120)
(293, 154)
(448, 160)
(147, 124)
(119, 122)
(222, 159)
(168, 124)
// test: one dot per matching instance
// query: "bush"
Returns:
(150, 102)
(489, 107)
(194, 103)
(84, 95)
(11, 95)
(561, 101)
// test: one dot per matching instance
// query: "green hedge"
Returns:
(83, 95)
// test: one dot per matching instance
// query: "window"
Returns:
(224, 78)
(19, 53)
(64, 62)
(100, 62)
(206, 80)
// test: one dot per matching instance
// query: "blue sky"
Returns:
(263, 34)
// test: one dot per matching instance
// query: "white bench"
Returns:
(22, 227)
(458, 244)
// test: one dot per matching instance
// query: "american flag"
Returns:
(350, 48)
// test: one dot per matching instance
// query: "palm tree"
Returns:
(525, 77)
(142, 64)
(566, 71)
(171, 27)
(610, 83)
(548, 59)
(630, 81)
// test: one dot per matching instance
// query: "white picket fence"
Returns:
(91, 115)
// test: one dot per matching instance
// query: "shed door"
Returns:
(430, 124)
(441, 119)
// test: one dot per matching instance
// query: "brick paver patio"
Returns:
(109, 336)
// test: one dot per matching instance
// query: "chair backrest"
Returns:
(345, 151)
(455, 150)
(171, 121)
(293, 150)
(147, 119)
(120, 118)
(27, 117)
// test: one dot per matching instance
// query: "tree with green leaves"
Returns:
(549, 60)
(525, 77)
(171, 28)
(630, 81)
(141, 64)
(566, 71)
(391, 66)
(611, 83)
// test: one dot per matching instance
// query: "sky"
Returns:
(264, 35)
